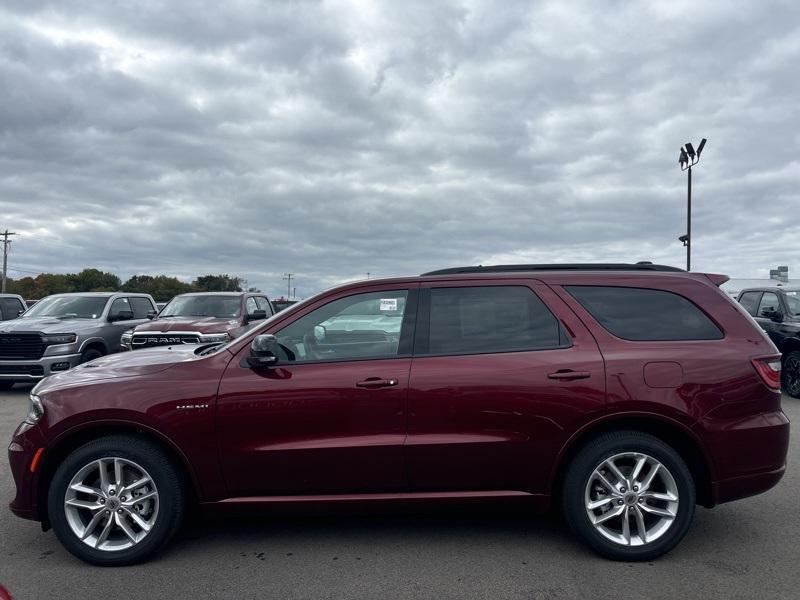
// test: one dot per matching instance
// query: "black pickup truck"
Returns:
(777, 310)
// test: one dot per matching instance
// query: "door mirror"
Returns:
(123, 315)
(152, 314)
(774, 315)
(257, 315)
(264, 352)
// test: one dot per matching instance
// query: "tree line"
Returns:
(161, 287)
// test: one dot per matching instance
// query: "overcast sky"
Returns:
(332, 139)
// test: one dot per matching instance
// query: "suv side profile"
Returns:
(65, 330)
(777, 311)
(200, 318)
(625, 394)
(11, 306)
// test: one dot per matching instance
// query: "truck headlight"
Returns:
(60, 338)
(214, 338)
(127, 337)
(35, 410)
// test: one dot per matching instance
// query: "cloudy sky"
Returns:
(335, 138)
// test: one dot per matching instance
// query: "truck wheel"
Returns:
(90, 354)
(115, 501)
(790, 374)
(629, 496)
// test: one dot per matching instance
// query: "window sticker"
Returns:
(388, 304)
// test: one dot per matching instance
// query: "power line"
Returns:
(288, 278)
(6, 242)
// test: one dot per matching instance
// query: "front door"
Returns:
(331, 416)
(496, 381)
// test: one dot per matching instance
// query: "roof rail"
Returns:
(640, 266)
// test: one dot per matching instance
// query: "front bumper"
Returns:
(34, 370)
(27, 439)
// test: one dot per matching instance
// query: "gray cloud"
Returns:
(334, 138)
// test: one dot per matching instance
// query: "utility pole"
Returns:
(5, 235)
(288, 278)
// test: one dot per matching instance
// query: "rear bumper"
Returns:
(749, 453)
(34, 370)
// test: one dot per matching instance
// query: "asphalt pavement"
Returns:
(746, 549)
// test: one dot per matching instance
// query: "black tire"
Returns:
(6, 385)
(583, 466)
(90, 354)
(790, 374)
(165, 476)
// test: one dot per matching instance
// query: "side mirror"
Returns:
(775, 315)
(264, 352)
(152, 314)
(257, 315)
(123, 315)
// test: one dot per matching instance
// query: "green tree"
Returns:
(218, 283)
(94, 280)
(161, 287)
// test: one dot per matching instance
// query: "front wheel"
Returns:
(790, 374)
(629, 496)
(115, 501)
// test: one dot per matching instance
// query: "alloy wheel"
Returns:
(631, 499)
(111, 504)
(791, 376)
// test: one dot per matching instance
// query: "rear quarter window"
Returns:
(643, 314)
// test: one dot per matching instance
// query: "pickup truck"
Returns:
(200, 318)
(66, 330)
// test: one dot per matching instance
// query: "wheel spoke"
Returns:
(87, 504)
(609, 515)
(92, 525)
(654, 510)
(640, 462)
(617, 473)
(648, 481)
(123, 524)
(666, 497)
(85, 489)
(640, 527)
(104, 482)
(135, 485)
(598, 503)
(609, 486)
(104, 534)
(140, 521)
(135, 499)
(118, 479)
(626, 526)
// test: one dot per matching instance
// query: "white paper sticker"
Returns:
(388, 304)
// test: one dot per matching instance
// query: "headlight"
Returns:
(35, 411)
(126, 338)
(60, 338)
(214, 338)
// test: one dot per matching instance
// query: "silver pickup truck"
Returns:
(65, 330)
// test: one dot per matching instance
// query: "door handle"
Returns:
(376, 382)
(569, 375)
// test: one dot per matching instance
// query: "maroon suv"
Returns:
(626, 393)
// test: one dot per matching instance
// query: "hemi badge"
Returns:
(190, 406)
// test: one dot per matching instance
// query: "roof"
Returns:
(214, 293)
(734, 286)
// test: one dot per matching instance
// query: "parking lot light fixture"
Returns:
(688, 158)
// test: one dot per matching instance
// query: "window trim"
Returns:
(714, 321)
(407, 328)
(422, 340)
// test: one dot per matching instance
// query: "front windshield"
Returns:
(224, 307)
(68, 307)
(793, 302)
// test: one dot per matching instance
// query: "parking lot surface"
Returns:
(746, 549)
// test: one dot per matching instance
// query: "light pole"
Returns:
(687, 159)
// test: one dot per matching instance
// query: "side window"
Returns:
(359, 327)
(769, 304)
(141, 306)
(469, 320)
(263, 304)
(119, 305)
(9, 308)
(642, 314)
(250, 305)
(749, 302)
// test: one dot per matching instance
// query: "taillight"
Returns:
(769, 368)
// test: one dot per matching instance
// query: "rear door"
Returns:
(501, 371)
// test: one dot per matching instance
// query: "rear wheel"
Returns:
(115, 501)
(629, 496)
(790, 374)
